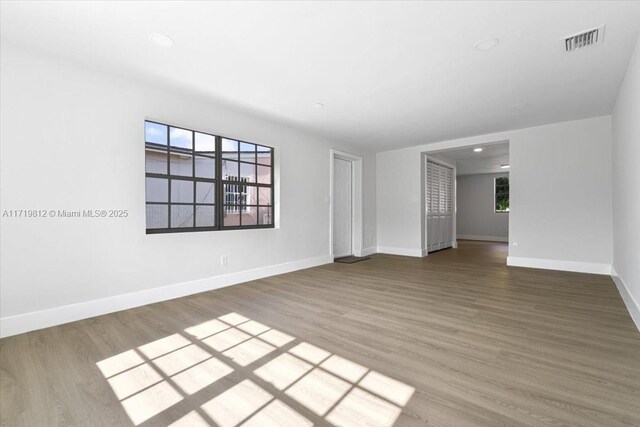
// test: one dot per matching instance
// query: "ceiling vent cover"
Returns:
(584, 39)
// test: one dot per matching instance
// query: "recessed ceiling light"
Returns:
(519, 106)
(487, 44)
(160, 40)
(505, 166)
(318, 105)
(477, 150)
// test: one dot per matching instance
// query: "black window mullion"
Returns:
(219, 210)
(193, 174)
(168, 179)
(273, 196)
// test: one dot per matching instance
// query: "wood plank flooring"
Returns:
(454, 339)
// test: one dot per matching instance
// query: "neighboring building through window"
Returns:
(501, 194)
(197, 181)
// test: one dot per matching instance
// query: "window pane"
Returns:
(205, 192)
(155, 161)
(264, 196)
(249, 216)
(205, 143)
(264, 175)
(264, 155)
(181, 216)
(155, 133)
(205, 167)
(157, 216)
(234, 194)
(181, 138)
(157, 189)
(229, 149)
(247, 152)
(265, 215)
(502, 194)
(251, 195)
(229, 170)
(502, 203)
(181, 191)
(205, 216)
(231, 216)
(248, 172)
(181, 164)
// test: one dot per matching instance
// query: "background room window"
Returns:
(196, 181)
(501, 194)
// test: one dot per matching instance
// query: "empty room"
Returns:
(315, 213)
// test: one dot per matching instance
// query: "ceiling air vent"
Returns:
(584, 39)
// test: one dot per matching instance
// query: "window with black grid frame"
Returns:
(197, 181)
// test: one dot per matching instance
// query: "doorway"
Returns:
(346, 205)
(342, 212)
(466, 195)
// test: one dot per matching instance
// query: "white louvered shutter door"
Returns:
(439, 206)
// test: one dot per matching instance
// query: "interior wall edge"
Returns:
(633, 307)
(369, 251)
(502, 239)
(400, 251)
(561, 265)
(26, 322)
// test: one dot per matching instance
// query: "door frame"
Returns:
(356, 199)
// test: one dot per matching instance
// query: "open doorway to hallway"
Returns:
(466, 195)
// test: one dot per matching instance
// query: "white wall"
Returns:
(475, 216)
(626, 187)
(560, 183)
(72, 138)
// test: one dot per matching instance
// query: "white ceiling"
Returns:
(468, 162)
(391, 74)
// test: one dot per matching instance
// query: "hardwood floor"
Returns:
(454, 339)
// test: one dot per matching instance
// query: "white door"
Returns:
(342, 215)
(439, 209)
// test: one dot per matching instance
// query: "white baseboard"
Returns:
(400, 251)
(483, 238)
(13, 325)
(553, 264)
(369, 251)
(633, 307)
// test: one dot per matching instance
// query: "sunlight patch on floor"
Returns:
(226, 339)
(276, 338)
(236, 404)
(392, 390)
(119, 363)
(164, 346)
(283, 371)
(182, 359)
(150, 402)
(192, 419)
(362, 408)
(206, 329)
(252, 327)
(133, 380)
(344, 368)
(155, 376)
(249, 351)
(202, 375)
(318, 391)
(277, 413)
(310, 353)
